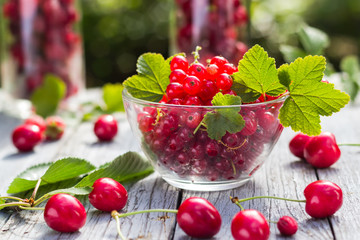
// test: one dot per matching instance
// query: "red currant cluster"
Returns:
(197, 84)
(172, 132)
(35, 129)
(217, 25)
(44, 40)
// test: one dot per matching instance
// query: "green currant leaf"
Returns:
(112, 96)
(351, 79)
(60, 170)
(47, 97)
(152, 79)
(125, 167)
(309, 97)
(313, 40)
(224, 120)
(257, 76)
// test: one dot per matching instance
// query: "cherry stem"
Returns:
(349, 144)
(35, 189)
(272, 197)
(13, 198)
(118, 226)
(31, 208)
(15, 204)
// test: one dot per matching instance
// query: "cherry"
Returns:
(322, 151)
(323, 198)
(108, 195)
(287, 225)
(198, 218)
(105, 127)
(64, 213)
(55, 127)
(36, 120)
(250, 224)
(25, 137)
(297, 144)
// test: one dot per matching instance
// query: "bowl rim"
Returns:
(127, 96)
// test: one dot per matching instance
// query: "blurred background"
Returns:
(116, 32)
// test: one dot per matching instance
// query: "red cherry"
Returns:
(64, 213)
(323, 198)
(108, 195)
(297, 144)
(25, 137)
(36, 120)
(287, 225)
(322, 151)
(55, 127)
(105, 128)
(198, 218)
(250, 224)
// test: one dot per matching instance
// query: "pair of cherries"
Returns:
(320, 151)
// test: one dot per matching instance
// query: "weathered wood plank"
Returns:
(346, 172)
(282, 175)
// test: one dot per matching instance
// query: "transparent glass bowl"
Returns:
(193, 161)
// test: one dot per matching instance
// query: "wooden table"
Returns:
(282, 175)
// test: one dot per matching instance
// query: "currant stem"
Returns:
(198, 127)
(349, 144)
(196, 54)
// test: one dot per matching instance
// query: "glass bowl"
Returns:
(187, 158)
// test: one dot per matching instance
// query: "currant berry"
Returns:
(108, 195)
(228, 68)
(224, 82)
(192, 85)
(146, 123)
(192, 100)
(213, 71)
(105, 127)
(219, 61)
(208, 90)
(175, 90)
(198, 70)
(198, 218)
(26, 137)
(64, 213)
(177, 75)
(179, 62)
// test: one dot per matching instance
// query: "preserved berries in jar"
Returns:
(40, 37)
(218, 26)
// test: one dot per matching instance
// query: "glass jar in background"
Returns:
(40, 37)
(218, 26)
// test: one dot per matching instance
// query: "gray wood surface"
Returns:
(282, 175)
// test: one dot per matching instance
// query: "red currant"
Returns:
(208, 90)
(198, 218)
(26, 137)
(224, 82)
(179, 62)
(213, 71)
(108, 195)
(219, 61)
(192, 85)
(323, 198)
(64, 213)
(198, 70)
(177, 75)
(175, 90)
(105, 127)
